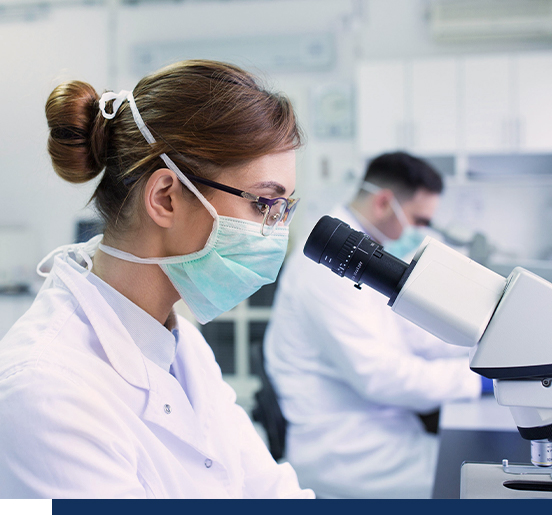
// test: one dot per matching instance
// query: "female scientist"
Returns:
(104, 392)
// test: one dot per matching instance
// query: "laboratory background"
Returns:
(465, 84)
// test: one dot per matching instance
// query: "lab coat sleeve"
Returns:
(64, 441)
(361, 341)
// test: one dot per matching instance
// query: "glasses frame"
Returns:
(290, 203)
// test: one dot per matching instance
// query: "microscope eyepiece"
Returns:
(354, 255)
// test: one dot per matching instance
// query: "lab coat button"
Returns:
(167, 409)
(208, 463)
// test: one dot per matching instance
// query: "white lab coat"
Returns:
(84, 414)
(351, 376)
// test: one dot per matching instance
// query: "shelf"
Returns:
(508, 166)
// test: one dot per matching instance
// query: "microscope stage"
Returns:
(487, 481)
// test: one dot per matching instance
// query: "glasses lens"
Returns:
(276, 212)
(273, 217)
(281, 211)
(292, 206)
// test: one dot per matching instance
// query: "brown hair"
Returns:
(206, 115)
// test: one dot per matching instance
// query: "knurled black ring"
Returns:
(346, 253)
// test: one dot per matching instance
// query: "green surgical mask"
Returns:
(235, 262)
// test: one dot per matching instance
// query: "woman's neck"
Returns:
(147, 286)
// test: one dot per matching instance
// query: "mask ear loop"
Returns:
(168, 161)
(369, 227)
(399, 211)
(395, 204)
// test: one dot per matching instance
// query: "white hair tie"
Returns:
(118, 99)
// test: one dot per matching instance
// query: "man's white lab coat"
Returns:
(351, 376)
(84, 414)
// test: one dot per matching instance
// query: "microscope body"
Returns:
(507, 322)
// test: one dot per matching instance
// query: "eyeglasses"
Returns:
(275, 210)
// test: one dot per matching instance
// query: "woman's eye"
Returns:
(259, 208)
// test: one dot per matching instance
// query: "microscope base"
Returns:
(486, 481)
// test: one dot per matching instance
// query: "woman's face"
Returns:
(270, 176)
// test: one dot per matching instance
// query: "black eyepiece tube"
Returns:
(354, 255)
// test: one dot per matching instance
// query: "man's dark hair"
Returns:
(404, 174)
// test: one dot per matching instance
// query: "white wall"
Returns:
(202, 25)
(88, 43)
(399, 29)
(34, 57)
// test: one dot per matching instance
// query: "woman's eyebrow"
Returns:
(271, 185)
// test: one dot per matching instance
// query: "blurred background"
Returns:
(466, 84)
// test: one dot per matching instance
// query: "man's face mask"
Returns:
(407, 244)
(411, 237)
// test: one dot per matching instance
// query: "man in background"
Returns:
(354, 379)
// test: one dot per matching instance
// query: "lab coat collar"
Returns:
(157, 342)
(169, 411)
(186, 415)
(123, 354)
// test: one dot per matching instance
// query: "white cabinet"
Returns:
(487, 100)
(534, 73)
(381, 106)
(481, 104)
(433, 117)
(409, 105)
(507, 103)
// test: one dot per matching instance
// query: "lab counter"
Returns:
(475, 431)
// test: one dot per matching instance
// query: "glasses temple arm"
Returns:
(223, 187)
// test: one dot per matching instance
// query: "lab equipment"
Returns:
(507, 322)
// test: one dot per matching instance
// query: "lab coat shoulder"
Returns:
(48, 325)
(311, 290)
(57, 413)
(322, 325)
(56, 337)
(325, 311)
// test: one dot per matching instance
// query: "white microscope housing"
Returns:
(507, 322)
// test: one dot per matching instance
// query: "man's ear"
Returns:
(382, 203)
(161, 195)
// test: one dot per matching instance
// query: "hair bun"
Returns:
(77, 133)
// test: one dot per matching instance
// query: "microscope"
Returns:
(506, 322)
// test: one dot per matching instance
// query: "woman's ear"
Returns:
(162, 194)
